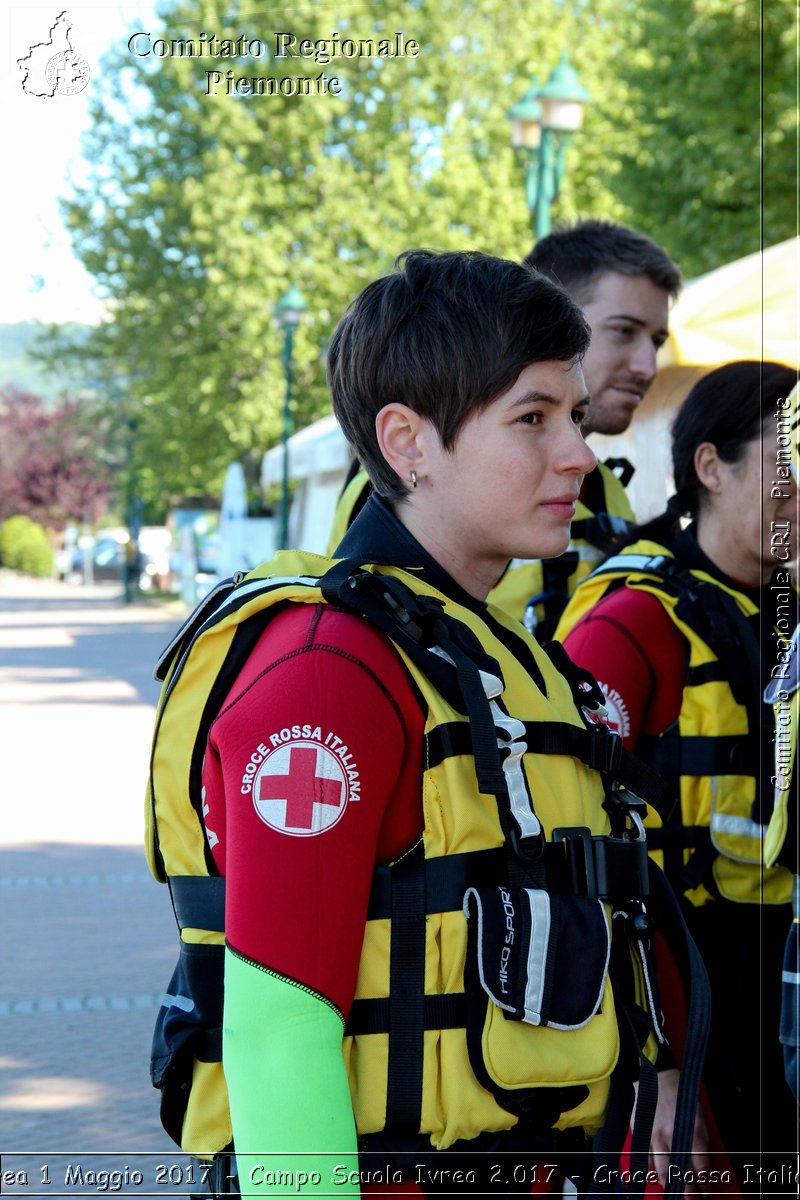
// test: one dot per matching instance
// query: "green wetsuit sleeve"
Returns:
(290, 1100)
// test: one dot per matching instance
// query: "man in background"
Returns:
(624, 283)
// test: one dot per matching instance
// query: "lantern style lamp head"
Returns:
(562, 99)
(290, 308)
(525, 117)
(542, 125)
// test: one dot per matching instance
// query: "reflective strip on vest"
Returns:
(633, 562)
(740, 826)
(262, 585)
(537, 953)
(521, 808)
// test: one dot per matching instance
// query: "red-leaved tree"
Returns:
(50, 461)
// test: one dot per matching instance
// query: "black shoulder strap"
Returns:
(594, 493)
(419, 625)
(623, 468)
(543, 611)
(669, 920)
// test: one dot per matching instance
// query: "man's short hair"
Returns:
(577, 256)
(444, 334)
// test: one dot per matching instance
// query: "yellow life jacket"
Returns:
(536, 591)
(717, 756)
(352, 499)
(528, 839)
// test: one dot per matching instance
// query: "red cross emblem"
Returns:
(300, 789)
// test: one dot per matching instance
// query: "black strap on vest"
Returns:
(199, 901)
(543, 611)
(670, 921)
(623, 468)
(664, 914)
(447, 1010)
(600, 529)
(407, 990)
(416, 624)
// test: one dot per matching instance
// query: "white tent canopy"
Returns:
(318, 460)
(316, 450)
(746, 309)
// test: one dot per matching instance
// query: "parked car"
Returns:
(106, 562)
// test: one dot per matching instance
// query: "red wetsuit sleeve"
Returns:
(312, 775)
(638, 657)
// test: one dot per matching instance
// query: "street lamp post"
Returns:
(542, 124)
(133, 517)
(288, 313)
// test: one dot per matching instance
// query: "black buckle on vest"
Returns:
(621, 867)
(529, 850)
(625, 809)
(605, 749)
(640, 923)
(603, 529)
(604, 868)
(579, 854)
(416, 614)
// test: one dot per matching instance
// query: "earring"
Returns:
(413, 479)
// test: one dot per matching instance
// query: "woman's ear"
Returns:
(707, 465)
(399, 431)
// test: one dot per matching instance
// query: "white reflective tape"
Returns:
(537, 954)
(521, 810)
(510, 725)
(268, 584)
(737, 826)
(791, 977)
(492, 686)
(183, 1002)
(632, 562)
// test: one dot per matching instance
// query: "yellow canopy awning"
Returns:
(747, 309)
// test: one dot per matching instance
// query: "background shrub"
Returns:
(24, 546)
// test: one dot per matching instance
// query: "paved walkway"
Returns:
(87, 940)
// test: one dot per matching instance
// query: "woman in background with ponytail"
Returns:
(682, 627)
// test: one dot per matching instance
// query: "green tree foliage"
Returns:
(24, 546)
(199, 210)
(715, 169)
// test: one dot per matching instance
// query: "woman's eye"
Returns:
(578, 415)
(531, 418)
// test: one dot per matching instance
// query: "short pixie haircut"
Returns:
(444, 334)
(575, 257)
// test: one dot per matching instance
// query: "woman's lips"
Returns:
(562, 506)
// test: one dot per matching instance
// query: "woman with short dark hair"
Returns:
(416, 965)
